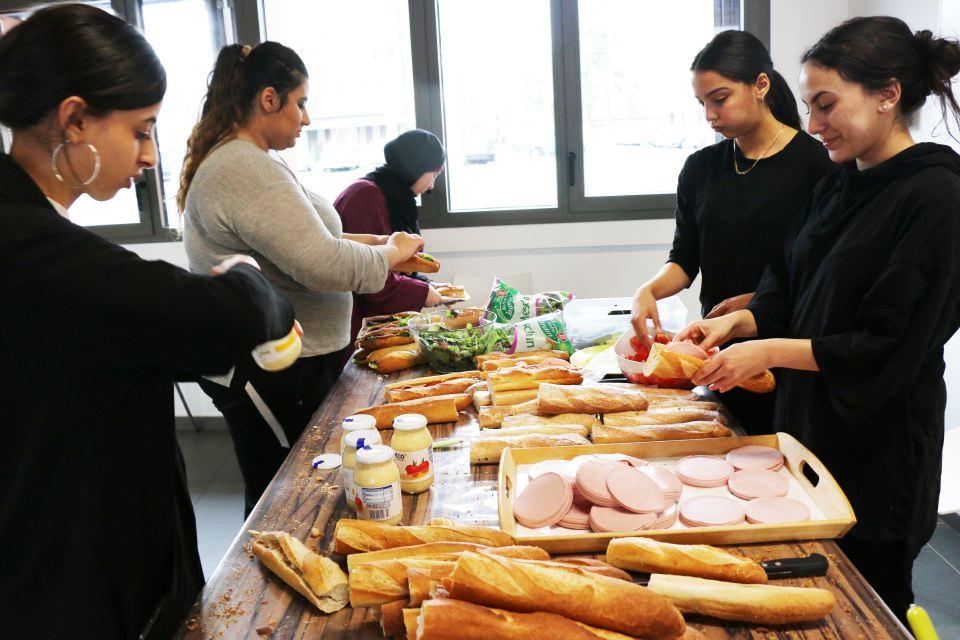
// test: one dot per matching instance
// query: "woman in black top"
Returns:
(857, 312)
(736, 200)
(96, 526)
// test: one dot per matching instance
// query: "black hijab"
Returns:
(408, 157)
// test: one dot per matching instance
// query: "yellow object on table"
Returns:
(920, 623)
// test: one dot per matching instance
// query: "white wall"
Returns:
(609, 259)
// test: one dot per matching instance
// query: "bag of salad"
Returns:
(543, 332)
(508, 305)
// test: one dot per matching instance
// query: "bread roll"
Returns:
(318, 579)
(663, 415)
(664, 363)
(658, 404)
(395, 358)
(510, 398)
(526, 355)
(484, 450)
(542, 429)
(755, 603)
(352, 536)
(429, 387)
(391, 619)
(573, 592)
(605, 434)
(410, 619)
(530, 377)
(481, 399)
(435, 410)
(699, 560)
(554, 399)
(492, 417)
(527, 419)
(457, 620)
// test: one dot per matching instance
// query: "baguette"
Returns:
(492, 417)
(659, 404)
(664, 363)
(384, 337)
(554, 399)
(511, 398)
(699, 560)
(378, 582)
(527, 377)
(606, 434)
(418, 263)
(527, 419)
(481, 399)
(436, 410)
(456, 620)
(411, 618)
(490, 366)
(525, 355)
(484, 450)
(318, 579)
(608, 603)
(391, 619)
(447, 387)
(352, 536)
(395, 358)
(441, 550)
(428, 380)
(754, 603)
(663, 415)
(549, 429)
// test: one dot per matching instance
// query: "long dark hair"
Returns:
(741, 56)
(236, 80)
(872, 51)
(75, 50)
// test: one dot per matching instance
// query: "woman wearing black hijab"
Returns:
(383, 202)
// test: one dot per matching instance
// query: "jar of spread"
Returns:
(358, 422)
(413, 452)
(378, 485)
(355, 440)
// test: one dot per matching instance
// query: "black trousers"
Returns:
(888, 567)
(754, 411)
(292, 395)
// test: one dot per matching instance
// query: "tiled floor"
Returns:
(217, 492)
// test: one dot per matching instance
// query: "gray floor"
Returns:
(217, 492)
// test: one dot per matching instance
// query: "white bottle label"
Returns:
(379, 503)
(414, 465)
(349, 487)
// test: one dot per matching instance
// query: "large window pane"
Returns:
(183, 33)
(640, 119)
(498, 104)
(361, 84)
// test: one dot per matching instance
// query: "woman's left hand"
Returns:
(733, 365)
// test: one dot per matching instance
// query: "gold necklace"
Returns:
(757, 161)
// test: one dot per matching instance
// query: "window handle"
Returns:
(571, 168)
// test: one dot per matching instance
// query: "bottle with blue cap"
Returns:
(359, 422)
(353, 441)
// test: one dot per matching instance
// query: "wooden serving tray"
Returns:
(827, 496)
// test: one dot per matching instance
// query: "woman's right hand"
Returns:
(233, 261)
(404, 245)
(433, 298)
(709, 333)
(644, 307)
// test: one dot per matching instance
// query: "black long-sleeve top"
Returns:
(872, 277)
(96, 529)
(729, 226)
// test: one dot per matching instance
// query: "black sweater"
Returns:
(872, 276)
(730, 227)
(96, 526)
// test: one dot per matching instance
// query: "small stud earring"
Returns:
(884, 106)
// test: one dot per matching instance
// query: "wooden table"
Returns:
(242, 596)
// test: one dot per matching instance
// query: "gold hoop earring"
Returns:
(56, 171)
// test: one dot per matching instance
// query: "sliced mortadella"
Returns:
(578, 515)
(635, 491)
(666, 519)
(751, 484)
(610, 519)
(711, 511)
(776, 510)
(544, 501)
(667, 480)
(704, 471)
(755, 456)
(592, 481)
(687, 349)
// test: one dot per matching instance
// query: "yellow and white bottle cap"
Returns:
(277, 355)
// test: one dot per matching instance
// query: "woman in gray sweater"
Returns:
(239, 197)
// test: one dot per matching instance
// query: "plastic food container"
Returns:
(450, 349)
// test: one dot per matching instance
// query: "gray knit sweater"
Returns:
(244, 200)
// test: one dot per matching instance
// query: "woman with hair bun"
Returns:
(857, 311)
(96, 526)
(738, 199)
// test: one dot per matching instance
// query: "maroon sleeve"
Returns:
(363, 209)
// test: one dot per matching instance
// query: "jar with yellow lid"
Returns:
(378, 485)
(359, 422)
(353, 441)
(413, 452)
